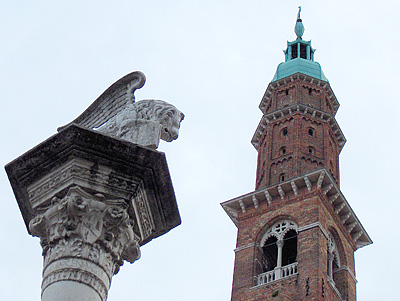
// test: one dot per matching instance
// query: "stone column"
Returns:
(93, 200)
(278, 269)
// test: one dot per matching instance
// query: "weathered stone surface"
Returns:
(85, 238)
(145, 122)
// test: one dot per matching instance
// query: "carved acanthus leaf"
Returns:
(81, 215)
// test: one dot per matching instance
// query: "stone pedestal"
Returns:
(93, 201)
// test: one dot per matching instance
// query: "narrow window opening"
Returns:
(283, 151)
(294, 51)
(311, 132)
(282, 177)
(309, 91)
(311, 150)
(289, 251)
(287, 91)
(284, 132)
(303, 51)
(270, 252)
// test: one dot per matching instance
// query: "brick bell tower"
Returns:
(297, 233)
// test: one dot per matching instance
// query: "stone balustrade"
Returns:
(289, 270)
(266, 277)
(277, 273)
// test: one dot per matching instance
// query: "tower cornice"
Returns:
(318, 180)
(291, 79)
(294, 109)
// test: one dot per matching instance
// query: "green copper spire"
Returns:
(299, 28)
(299, 56)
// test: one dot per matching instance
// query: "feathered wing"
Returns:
(111, 102)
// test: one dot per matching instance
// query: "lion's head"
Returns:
(140, 123)
(166, 114)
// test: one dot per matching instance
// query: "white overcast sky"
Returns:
(213, 60)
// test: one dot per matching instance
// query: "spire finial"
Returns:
(298, 14)
(299, 28)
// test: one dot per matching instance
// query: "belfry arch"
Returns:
(278, 248)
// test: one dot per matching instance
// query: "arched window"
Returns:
(279, 252)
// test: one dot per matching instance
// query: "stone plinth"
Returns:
(93, 200)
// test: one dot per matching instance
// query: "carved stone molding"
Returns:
(98, 164)
(83, 173)
(143, 214)
(85, 238)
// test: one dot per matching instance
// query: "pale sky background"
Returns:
(213, 60)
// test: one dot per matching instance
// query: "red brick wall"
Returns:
(302, 92)
(292, 154)
(307, 208)
(297, 158)
(303, 153)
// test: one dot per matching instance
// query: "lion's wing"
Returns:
(111, 102)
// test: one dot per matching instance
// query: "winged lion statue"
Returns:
(115, 113)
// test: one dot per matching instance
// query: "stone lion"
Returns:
(145, 122)
(115, 113)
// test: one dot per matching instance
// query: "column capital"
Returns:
(88, 219)
(280, 242)
(85, 238)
